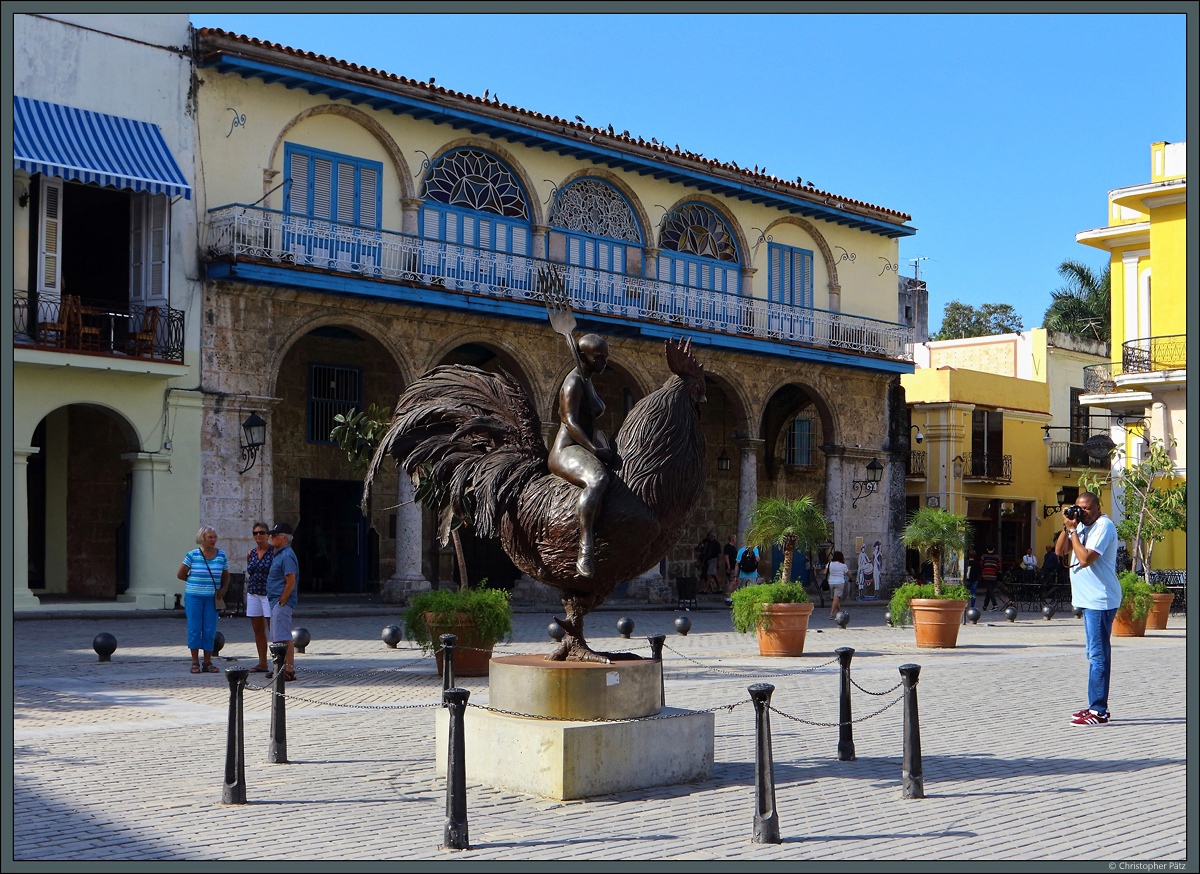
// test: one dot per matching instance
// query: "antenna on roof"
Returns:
(916, 265)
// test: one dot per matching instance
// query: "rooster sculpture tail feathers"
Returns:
(474, 434)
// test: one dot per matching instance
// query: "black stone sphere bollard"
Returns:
(683, 625)
(841, 619)
(218, 643)
(556, 631)
(105, 645)
(1077, 612)
(1048, 611)
(391, 635)
(887, 617)
(301, 638)
(1011, 612)
(973, 614)
(625, 627)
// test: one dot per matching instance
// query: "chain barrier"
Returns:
(726, 707)
(291, 696)
(729, 673)
(880, 694)
(891, 703)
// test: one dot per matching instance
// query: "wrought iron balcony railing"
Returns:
(916, 463)
(106, 327)
(240, 232)
(1098, 379)
(977, 465)
(1152, 354)
(1068, 455)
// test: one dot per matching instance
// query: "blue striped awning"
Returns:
(93, 147)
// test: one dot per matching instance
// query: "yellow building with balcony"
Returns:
(1146, 238)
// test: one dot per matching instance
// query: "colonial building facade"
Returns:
(364, 228)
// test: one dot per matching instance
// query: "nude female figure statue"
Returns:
(581, 453)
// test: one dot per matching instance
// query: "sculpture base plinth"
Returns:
(563, 760)
(568, 752)
(530, 685)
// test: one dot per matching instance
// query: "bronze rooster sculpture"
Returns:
(472, 443)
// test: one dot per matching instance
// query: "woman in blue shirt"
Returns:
(206, 577)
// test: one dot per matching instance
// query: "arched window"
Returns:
(594, 226)
(698, 250)
(471, 198)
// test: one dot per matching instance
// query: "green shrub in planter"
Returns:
(488, 608)
(899, 608)
(748, 602)
(1135, 594)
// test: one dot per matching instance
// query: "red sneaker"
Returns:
(1090, 718)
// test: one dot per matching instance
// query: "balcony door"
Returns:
(987, 443)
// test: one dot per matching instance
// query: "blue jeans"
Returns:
(1097, 633)
(201, 614)
(971, 584)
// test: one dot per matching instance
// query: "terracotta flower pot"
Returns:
(936, 621)
(471, 657)
(788, 624)
(1124, 625)
(1156, 619)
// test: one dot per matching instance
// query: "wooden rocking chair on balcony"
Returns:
(142, 341)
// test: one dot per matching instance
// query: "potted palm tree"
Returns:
(936, 609)
(778, 612)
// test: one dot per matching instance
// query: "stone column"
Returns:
(835, 298)
(835, 495)
(407, 577)
(410, 209)
(23, 599)
(149, 585)
(538, 241)
(751, 450)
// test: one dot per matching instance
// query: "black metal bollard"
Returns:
(766, 817)
(455, 836)
(300, 638)
(278, 750)
(912, 778)
(625, 627)
(656, 648)
(391, 635)
(218, 643)
(234, 791)
(845, 747)
(683, 625)
(448, 641)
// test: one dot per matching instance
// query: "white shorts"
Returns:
(258, 605)
(837, 589)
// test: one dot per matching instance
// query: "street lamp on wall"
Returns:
(1048, 511)
(254, 436)
(917, 428)
(864, 487)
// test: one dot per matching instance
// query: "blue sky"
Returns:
(999, 134)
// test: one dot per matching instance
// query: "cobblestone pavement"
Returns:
(124, 760)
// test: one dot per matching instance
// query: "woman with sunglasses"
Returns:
(258, 608)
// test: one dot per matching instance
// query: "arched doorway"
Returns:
(79, 501)
(333, 370)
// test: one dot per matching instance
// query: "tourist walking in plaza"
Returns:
(282, 578)
(837, 571)
(258, 608)
(1088, 544)
(206, 578)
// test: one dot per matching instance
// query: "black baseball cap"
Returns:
(281, 528)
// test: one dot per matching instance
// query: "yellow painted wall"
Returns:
(1168, 254)
(235, 156)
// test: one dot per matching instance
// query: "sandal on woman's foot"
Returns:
(289, 675)
(257, 670)
(210, 668)
(195, 667)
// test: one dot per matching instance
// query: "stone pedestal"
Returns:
(578, 756)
